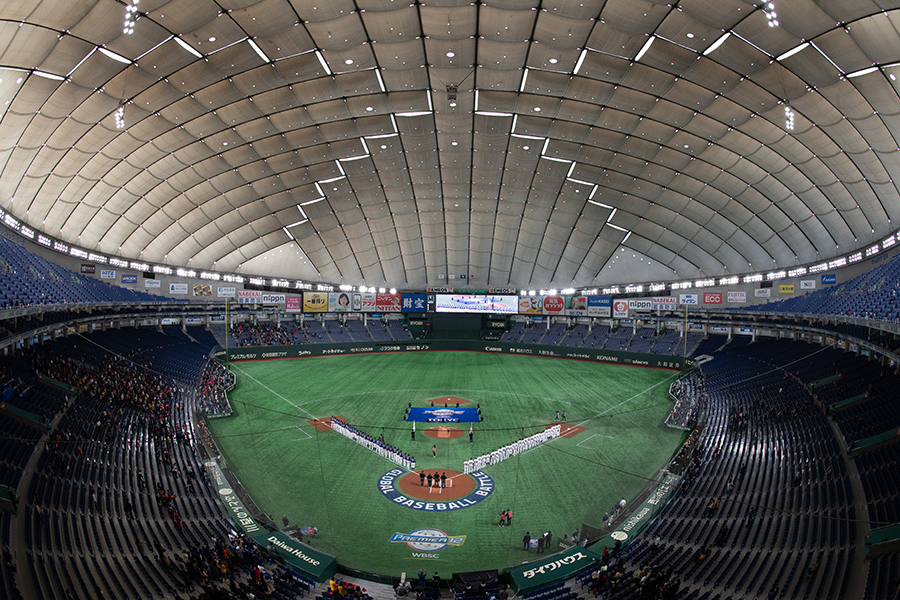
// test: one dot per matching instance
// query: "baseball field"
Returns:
(375, 515)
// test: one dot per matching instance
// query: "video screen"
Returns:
(471, 303)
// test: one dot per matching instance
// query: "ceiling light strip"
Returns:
(580, 61)
(644, 48)
(793, 51)
(717, 43)
(114, 56)
(322, 61)
(258, 50)
(187, 47)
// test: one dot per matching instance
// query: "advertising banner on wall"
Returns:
(554, 305)
(388, 302)
(599, 306)
(414, 303)
(107, 274)
(712, 298)
(226, 292)
(786, 289)
(665, 303)
(366, 301)
(293, 304)
(129, 279)
(640, 304)
(202, 290)
(762, 293)
(180, 289)
(272, 298)
(531, 305)
(737, 297)
(807, 284)
(620, 309)
(577, 306)
(688, 299)
(88, 269)
(315, 301)
(339, 302)
(152, 283)
(249, 296)
(829, 279)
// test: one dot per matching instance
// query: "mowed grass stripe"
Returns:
(330, 482)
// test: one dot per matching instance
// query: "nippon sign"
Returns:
(688, 299)
(762, 293)
(665, 303)
(737, 297)
(272, 299)
(620, 309)
(712, 298)
(640, 304)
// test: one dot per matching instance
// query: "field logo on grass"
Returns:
(387, 485)
(427, 542)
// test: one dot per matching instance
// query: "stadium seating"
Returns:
(776, 421)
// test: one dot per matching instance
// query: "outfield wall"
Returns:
(621, 357)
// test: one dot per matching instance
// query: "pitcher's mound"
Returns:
(448, 400)
(443, 432)
(458, 486)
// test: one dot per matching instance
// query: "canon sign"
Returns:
(554, 305)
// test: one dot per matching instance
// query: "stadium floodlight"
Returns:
(768, 9)
(788, 117)
(131, 16)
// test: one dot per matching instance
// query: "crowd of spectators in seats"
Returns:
(117, 382)
(610, 578)
(689, 395)
(216, 378)
(338, 588)
(228, 568)
(246, 334)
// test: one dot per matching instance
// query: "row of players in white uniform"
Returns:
(501, 454)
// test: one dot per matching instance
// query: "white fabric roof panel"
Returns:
(204, 136)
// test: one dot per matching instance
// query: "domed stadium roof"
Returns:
(522, 143)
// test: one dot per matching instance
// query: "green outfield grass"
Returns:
(323, 479)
